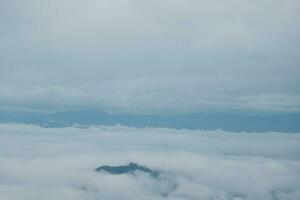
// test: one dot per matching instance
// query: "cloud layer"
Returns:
(59, 163)
(158, 56)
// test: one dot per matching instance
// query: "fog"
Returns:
(59, 163)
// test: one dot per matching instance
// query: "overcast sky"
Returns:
(156, 56)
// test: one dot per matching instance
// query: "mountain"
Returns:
(131, 168)
(205, 121)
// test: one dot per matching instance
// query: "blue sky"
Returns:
(171, 56)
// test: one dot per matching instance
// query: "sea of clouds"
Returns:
(58, 163)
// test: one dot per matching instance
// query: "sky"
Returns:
(149, 57)
(59, 163)
(160, 56)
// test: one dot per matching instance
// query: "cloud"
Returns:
(59, 163)
(158, 56)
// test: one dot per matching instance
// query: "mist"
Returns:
(59, 163)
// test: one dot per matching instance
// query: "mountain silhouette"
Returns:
(131, 168)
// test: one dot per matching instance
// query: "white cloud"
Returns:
(143, 56)
(58, 163)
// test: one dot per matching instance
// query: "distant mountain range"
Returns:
(206, 121)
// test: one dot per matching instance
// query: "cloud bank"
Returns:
(59, 163)
(150, 56)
